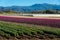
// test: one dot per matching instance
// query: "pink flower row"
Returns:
(40, 21)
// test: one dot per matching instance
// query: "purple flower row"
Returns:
(37, 21)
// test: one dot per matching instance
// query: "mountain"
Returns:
(34, 7)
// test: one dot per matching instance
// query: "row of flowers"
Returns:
(37, 21)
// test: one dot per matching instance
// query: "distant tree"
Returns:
(51, 12)
(1, 12)
(9, 11)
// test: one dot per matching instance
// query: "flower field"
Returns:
(38, 21)
(12, 31)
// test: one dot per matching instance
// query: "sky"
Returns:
(26, 2)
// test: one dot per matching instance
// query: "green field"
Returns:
(9, 29)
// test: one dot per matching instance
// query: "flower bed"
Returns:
(37, 21)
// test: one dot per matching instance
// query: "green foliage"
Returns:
(8, 29)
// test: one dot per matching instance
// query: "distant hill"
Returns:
(35, 7)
